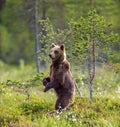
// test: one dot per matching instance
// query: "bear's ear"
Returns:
(52, 45)
(62, 47)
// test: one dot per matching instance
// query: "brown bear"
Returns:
(60, 78)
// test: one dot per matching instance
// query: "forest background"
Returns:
(17, 24)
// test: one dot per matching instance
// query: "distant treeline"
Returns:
(17, 23)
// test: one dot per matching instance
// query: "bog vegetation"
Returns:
(92, 47)
(23, 102)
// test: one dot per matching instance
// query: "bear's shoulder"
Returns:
(66, 64)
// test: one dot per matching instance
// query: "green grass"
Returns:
(17, 111)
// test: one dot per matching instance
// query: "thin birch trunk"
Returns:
(37, 48)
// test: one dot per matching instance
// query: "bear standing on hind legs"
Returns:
(60, 78)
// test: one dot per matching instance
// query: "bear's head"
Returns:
(57, 52)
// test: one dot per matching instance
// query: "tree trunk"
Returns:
(90, 75)
(91, 3)
(92, 61)
(1, 4)
(37, 48)
(92, 71)
(44, 10)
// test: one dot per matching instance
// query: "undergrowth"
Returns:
(24, 104)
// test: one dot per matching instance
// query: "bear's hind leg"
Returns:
(61, 103)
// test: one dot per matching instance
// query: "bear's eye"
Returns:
(56, 52)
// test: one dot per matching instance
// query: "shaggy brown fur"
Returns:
(60, 77)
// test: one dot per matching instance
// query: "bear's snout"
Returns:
(50, 55)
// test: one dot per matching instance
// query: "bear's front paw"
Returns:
(46, 89)
(45, 81)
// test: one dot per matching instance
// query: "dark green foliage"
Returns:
(78, 38)
(93, 28)
(17, 38)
